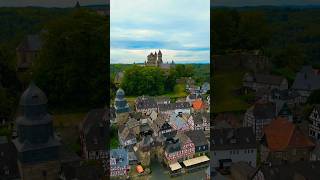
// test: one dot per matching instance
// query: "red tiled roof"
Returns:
(197, 104)
(282, 134)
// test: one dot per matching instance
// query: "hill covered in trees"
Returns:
(289, 36)
(66, 33)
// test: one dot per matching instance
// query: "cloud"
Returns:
(132, 44)
(179, 26)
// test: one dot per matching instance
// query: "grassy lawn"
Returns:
(174, 95)
(225, 83)
(67, 125)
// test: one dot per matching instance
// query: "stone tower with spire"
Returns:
(159, 61)
(37, 146)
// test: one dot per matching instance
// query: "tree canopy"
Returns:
(287, 35)
(72, 65)
(143, 80)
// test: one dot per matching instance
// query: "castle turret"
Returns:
(159, 58)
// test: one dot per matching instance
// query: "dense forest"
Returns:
(68, 75)
(72, 65)
(289, 36)
(15, 24)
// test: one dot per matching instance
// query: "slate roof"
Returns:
(177, 121)
(172, 147)
(284, 94)
(147, 140)
(126, 134)
(281, 135)
(161, 119)
(264, 110)
(267, 79)
(145, 102)
(135, 115)
(131, 123)
(183, 138)
(306, 79)
(226, 119)
(197, 137)
(30, 43)
(119, 158)
(173, 106)
(307, 169)
(226, 139)
(33, 95)
(95, 129)
(198, 118)
(145, 127)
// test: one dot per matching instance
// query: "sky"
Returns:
(264, 2)
(179, 28)
(49, 3)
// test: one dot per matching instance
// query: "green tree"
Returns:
(72, 66)
(143, 81)
(9, 84)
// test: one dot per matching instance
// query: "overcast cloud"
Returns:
(180, 28)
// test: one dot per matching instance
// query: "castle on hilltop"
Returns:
(155, 59)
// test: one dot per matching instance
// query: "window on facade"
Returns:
(311, 132)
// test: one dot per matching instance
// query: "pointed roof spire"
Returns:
(159, 52)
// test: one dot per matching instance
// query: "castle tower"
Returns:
(37, 147)
(159, 62)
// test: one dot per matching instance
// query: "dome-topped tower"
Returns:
(33, 95)
(33, 101)
(121, 104)
(36, 141)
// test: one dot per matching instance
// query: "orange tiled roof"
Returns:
(197, 104)
(282, 134)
